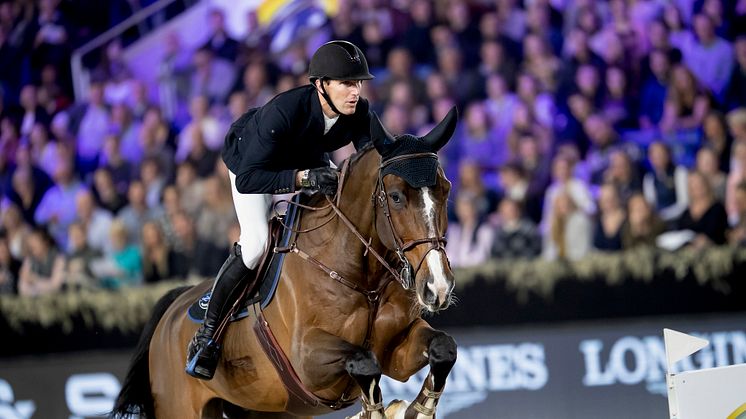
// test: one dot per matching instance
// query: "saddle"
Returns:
(281, 229)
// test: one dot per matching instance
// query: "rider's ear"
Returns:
(439, 136)
(382, 139)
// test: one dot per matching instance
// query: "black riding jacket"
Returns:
(266, 146)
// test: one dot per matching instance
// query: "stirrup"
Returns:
(204, 362)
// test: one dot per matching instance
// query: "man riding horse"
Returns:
(279, 148)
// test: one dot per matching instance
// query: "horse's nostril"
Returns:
(430, 296)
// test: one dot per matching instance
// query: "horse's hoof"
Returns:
(396, 409)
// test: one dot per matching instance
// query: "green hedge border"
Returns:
(127, 310)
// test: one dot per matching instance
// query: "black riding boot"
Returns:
(203, 353)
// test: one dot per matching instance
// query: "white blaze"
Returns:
(439, 285)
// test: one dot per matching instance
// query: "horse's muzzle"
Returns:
(436, 295)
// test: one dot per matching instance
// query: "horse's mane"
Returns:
(360, 153)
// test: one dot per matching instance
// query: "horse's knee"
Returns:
(442, 354)
(363, 364)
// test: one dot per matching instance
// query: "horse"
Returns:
(349, 306)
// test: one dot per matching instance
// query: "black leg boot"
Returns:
(203, 353)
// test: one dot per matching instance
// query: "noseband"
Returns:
(406, 273)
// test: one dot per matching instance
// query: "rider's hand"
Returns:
(324, 180)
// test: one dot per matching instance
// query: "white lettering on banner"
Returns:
(21, 409)
(632, 360)
(479, 370)
(91, 394)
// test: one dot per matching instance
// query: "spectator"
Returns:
(736, 127)
(218, 40)
(469, 240)
(172, 76)
(512, 182)
(470, 180)
(112, 161)
(686, 102)
(106, 193)
(127, 129)
(654, 90)
(50, 43)
(256, 85)
(32, 111)
(516, 237)
(153, 181)
(570, 231)
(57, 206)
(10, 268)
(735, 93)
(475, 140)
(617, 106)
(211, 77)
(611, 217)
(136, 212)
(737, 235)
(704, 46)
(499, 105)
(119, 84)
(156, 140)
(705, 217)
(623, 173)
(43, 268)
(124, 267)
(604, 142)
(158, 259)
(643, 225)
(43, 151)
(216, 215)
(461, 81)
(25, 193)
(416, 37)
(202, 124)
(715, 136)
(664, 185)
(89, 123)
(95, 221)
(736, 176)
(15, 229)
(187, 249)
(707, 164)
(540, 63)
(565, 182)
(80, 255)
(190, 187)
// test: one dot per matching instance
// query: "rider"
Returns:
(279, 148)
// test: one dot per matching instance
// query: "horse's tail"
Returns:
(135, 398)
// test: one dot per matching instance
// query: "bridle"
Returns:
(438, 243)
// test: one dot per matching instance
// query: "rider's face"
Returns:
(344, 94)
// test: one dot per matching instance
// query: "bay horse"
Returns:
(348, 307)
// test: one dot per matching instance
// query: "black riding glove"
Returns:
(324, 180)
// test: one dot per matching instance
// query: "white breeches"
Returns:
(253, 216)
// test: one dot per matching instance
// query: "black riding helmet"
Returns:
(338, 60)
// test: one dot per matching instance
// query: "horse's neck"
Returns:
(356, 204)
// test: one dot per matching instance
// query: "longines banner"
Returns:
(594, 370)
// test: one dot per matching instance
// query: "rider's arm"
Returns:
(255, 175)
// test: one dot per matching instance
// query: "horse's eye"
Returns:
(396, 197)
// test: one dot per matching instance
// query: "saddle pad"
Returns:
(270, 275)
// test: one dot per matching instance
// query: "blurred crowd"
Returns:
(585, 126)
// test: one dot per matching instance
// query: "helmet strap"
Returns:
(327, 98)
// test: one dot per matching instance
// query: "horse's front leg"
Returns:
(331, 352)
(422, 345)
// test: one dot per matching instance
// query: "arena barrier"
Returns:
(610, 369)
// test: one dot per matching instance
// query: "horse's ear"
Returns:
(382, 139)
(439, 136)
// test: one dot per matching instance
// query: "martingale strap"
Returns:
(300, 399)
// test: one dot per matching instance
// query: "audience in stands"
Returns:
(575, 90)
